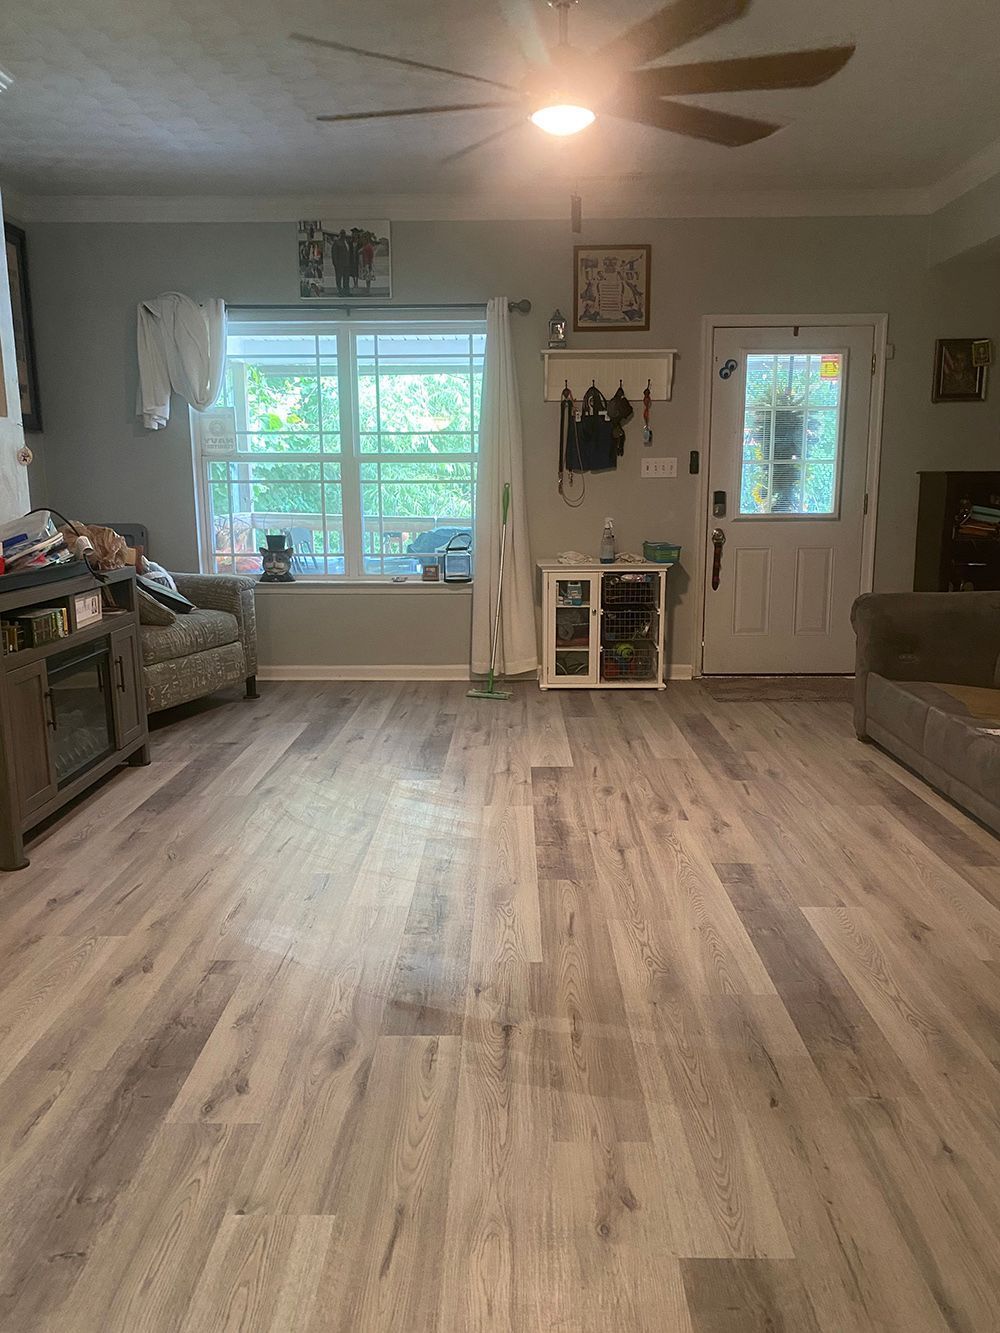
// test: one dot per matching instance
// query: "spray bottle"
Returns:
(608, 543)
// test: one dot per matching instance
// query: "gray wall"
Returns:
(100, 464)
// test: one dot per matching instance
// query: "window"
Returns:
(358, 443)
(791, 433)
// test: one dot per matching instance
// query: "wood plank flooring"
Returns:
(372, 1007)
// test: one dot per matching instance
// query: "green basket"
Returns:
(661, 553)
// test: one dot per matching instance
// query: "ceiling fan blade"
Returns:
(480, 143)
(789, 69)
(396, 60)
(696, 122)
(670, 28)
(409, 111)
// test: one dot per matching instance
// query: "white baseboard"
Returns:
(446, 671)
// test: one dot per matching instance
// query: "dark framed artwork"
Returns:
(610, 287)
(24, 341)
(957, 377)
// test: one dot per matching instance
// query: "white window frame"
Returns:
(346, 332)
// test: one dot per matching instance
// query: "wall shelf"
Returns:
(635, 367)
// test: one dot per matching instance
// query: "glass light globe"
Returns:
(563, 120)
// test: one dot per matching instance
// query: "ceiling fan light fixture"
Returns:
(563, 118)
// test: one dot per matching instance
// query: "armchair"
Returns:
(210, 648)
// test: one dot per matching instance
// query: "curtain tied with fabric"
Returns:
(500, 461)
(182, 348)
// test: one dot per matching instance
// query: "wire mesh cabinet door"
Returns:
(632, 619)
(571, 618)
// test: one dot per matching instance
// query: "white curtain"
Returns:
(501, 460)
(182, 347)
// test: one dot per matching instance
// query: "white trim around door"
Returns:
(710, 323)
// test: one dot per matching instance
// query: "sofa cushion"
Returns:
(196, 632)
(152, 612)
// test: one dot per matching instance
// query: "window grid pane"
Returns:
(408, 515)
(791, 433)
(417, 393)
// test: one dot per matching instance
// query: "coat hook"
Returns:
(621, 384)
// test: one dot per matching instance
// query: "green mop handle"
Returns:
(496, 619)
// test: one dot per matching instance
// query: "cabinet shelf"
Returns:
(635, 367)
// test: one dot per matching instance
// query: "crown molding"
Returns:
(976, 171)
(601, 200)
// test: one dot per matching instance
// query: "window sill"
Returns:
(351, 586)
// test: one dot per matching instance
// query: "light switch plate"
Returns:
(659, 467)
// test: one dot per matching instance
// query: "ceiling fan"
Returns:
(567, 92)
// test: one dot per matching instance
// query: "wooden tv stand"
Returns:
(71, 710)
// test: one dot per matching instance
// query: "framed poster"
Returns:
(610, 287)
(345, 259)
(958, 378)
(24, 342)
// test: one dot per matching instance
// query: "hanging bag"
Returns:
(598, 449)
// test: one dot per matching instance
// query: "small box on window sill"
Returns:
(431, 574)
(87, 608)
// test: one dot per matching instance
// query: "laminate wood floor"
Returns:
(372, 1007)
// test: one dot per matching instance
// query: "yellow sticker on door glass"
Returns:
(829, 367)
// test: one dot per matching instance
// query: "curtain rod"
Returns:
(522, 307)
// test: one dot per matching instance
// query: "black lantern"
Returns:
(557, 329)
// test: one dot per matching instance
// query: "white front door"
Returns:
(787, 470)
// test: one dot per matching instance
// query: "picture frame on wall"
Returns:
(957, 376)
(24, 338)
(345, 260)
(611, 287)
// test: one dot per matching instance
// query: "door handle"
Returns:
(52, 710)
(119, 663)
(718, 541)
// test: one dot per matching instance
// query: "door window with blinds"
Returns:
(358, 443)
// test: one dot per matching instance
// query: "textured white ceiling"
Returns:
(210, 97)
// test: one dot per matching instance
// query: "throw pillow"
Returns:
(152, 612)
(174, 601)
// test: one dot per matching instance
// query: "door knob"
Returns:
(718, 541)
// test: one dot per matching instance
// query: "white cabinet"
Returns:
(602, 626)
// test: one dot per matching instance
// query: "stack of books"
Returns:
(981, 521)
(30, 629)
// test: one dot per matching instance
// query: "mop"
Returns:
(491, 692)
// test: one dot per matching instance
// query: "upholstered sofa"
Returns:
(927, 689)
(208, 649)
